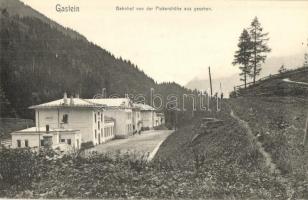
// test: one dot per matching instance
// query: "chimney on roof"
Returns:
(71, 100)
(65, 98)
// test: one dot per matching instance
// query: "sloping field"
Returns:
(275, 85)
(226, 152)
(279, 125)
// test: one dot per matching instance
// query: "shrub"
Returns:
(18, 167)
(145, 128)
(86, 145)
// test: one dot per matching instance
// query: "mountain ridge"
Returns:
(39, 61)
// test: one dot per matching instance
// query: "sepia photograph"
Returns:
(162, 99)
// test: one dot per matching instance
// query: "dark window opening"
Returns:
(69, 141)
(42, 143)
(65, 118)
(26, 143)
(62, 140)
(18, 143)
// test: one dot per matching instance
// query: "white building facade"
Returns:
(120, 109)
(73, 121)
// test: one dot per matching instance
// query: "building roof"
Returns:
(112, 102)
(144, 107)
(77, 102)
(43, 130)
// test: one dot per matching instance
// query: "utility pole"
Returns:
(210, 81)
(306, 132)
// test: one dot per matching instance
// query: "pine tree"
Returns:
(259, 47)
(243, 55)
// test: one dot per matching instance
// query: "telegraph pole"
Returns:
(210, 81)
(306, 132)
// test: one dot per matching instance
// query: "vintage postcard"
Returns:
(163, 99)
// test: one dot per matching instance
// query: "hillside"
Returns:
(15, 7)
(271, 66)
(290, 83)
(278, 124)
(40, 60)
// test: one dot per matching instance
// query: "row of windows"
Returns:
(19, 143)
(26, 142)
(99, 114)
(68, 141)
(108, 131)
(129, 128)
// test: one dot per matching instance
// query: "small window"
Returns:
(18, 143)
(98, 125)
(69, 141)
(95, 134)
(95, 118)
(65, 118)
(26, 143)
(101, 116)
(62, 140)
(42, 143)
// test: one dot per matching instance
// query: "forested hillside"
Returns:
(39, 61)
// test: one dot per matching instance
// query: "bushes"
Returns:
(145, 128)
(160, 127)
(18, 167)
(101, 176)
(86, 145)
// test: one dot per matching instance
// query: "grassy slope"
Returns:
(275, 86)
(229, 156)
(280, 124)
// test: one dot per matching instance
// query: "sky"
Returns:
(180, 45)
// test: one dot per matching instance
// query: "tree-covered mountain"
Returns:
(16, 7)
(40, 60)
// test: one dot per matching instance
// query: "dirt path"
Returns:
(268, 158)
(289, 81)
